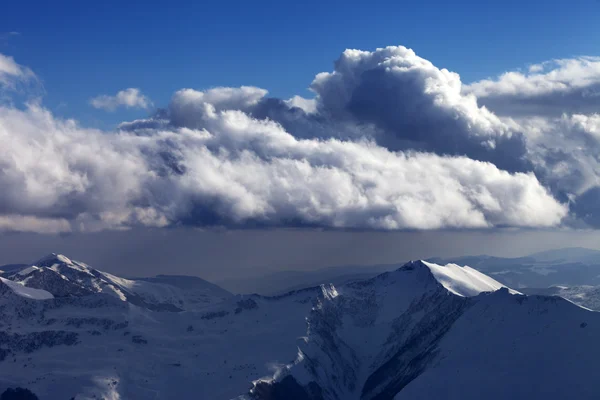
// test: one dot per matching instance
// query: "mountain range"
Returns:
(420, 331)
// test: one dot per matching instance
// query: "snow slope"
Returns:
(463, 281)
(24, 291)
(515, 347)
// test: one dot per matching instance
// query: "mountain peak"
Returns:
(462, 281)
(51, 259)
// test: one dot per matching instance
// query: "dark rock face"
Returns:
(31, 342)
(216, 314)
(247, 304)
(18, 394)
(138, 339)
(51, 281)
(104, 323)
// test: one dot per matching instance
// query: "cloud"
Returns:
(12, 73)
(6, 36)
(238, 170)
(548, 89)
(128, 98)
(413, 103)
(401, 101)
(556, 104)
(189, 107)
(309, 106)
(564, 151)
(389, 142)
(21, 223)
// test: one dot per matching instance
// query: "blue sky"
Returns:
(80, 50)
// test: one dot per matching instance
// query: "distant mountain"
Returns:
(585, 296)
(68, 330)
(62, 277)
(568, 255)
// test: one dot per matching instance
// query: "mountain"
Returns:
(64, 277)
(420, 331)
(427, 331)
(68, 330)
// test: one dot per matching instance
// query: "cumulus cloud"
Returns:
(556, 105)
(413, 104)
(189, 107)
(389, 142)
(565, 151)
(238, 170)
(547, 89)
(128, 98)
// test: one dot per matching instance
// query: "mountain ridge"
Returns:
(377, 338)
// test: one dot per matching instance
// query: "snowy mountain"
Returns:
(427, 331)
(63, 277)
(68, 330)
(421, 331)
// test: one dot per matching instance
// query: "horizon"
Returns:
(400, 262)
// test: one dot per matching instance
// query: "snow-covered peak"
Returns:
(463, 281)
(56, 262)
(64, 277)
(51, 259)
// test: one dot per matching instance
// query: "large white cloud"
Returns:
(128, 98)
(556, 105)
(389, 142)
(238, 170)
(548, 89)
(413, 104)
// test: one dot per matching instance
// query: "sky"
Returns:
(80, 51)
(289, 131)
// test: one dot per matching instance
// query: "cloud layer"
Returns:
(128, 98)
(548, 89)
(390, 141)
